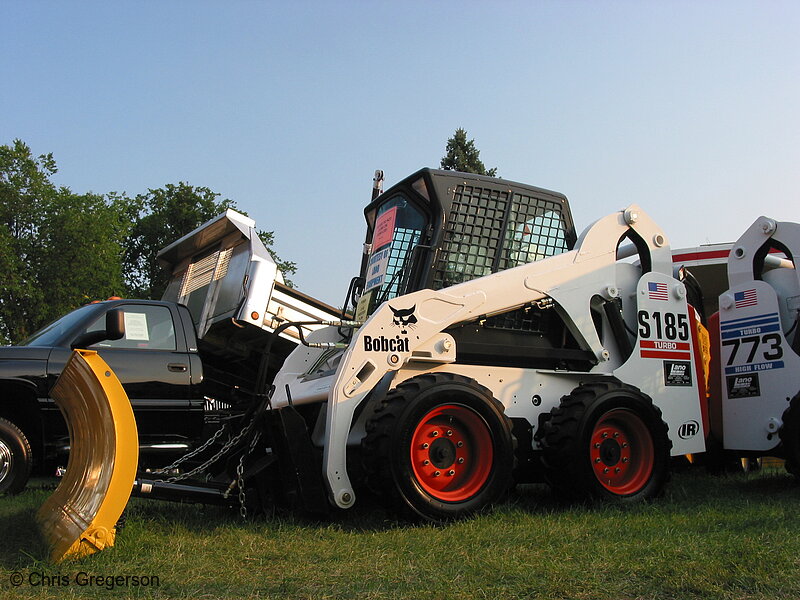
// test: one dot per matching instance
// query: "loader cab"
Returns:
(439, 228)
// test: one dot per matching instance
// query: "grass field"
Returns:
(708, 537)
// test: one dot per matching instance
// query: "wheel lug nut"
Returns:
(449, 432)
(597, 445)
(435, 433)
(597, 460)
(605, 470)
(625, 459)
(605, 434)
(425, 445)
(426, 462)
(460, 444)
(461, 461)
(437, 473)
(624, 444)
(616, 470)
(451, 472)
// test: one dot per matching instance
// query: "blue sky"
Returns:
(691, 109)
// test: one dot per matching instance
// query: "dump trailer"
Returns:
(755, 387)
(490, 344)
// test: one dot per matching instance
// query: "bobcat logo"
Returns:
(404, 318)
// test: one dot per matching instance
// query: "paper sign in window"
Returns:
(384, 228)
(136, 327)
(376, 269)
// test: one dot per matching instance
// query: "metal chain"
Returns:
(230, 443)
(192, 454)
(240, 475)
(239, 481)
(240, 484)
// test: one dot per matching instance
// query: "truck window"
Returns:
(147, 327)
(54, 333)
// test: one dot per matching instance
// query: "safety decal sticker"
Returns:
(677, 373)
(743, 386)
(755, 343)
(384, 228)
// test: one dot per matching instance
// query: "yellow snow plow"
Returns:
(80, 517)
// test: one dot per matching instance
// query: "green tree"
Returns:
(82, 239)
(462, 155)
(165, 215)
(57, 249)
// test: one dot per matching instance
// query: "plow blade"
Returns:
(80, 517)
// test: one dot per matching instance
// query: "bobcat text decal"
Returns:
(404, 319)
(384, 344)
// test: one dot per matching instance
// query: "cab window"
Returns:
(146, 327)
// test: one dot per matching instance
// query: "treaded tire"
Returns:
(606, 440)
(438, 447)
(15, 458)
(790, 436)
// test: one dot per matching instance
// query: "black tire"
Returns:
(790, 436)
(606, 441)
(16, 458)
(438, 447)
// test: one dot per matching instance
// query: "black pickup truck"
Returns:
(185, 362)
(156, 360)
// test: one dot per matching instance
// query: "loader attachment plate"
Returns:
(79, 518)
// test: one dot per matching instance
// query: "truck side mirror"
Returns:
(115, 330)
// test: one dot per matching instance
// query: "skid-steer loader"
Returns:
(489, 345)
(755, 388)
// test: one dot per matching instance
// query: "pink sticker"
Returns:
(384, 229)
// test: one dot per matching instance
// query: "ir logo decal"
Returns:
(404, 318)
(688, 430)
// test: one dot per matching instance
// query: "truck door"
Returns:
(153, 363)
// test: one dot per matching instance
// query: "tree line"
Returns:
(60, 249)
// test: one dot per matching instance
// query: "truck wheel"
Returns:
(439, 447)
(15, 458)
(606, 440)
(790, 436)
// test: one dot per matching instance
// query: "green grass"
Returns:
(708, 537)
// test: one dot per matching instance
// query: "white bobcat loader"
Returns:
(488, 346)
(755, 391)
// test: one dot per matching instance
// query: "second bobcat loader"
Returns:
(489, 345)
(755, 388)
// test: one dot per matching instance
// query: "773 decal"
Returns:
(755, 342)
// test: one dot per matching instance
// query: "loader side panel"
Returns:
(663, 363)
(758, 367)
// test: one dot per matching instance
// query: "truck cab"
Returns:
(156, 359)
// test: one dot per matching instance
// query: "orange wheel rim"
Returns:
(452, 453)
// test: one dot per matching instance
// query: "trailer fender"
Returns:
(79, 518)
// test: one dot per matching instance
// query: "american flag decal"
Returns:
(657, 291)
(745, 298)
